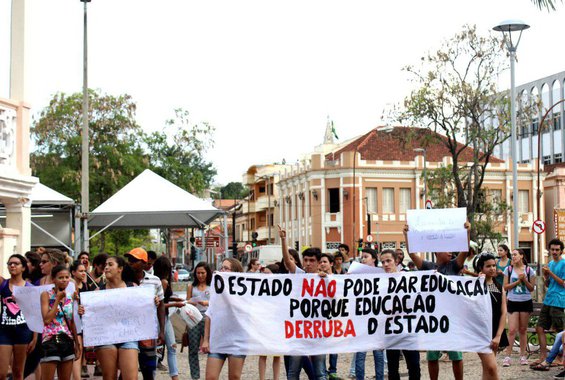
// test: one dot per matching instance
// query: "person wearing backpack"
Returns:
(519, 280)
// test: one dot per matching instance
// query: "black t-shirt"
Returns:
(450, 268)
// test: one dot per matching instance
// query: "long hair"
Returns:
(34, 258)
(163, 269)
(206, 267)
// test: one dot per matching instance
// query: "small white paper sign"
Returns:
(28, 299)
(119, 315)
(358, 268)
(437, 230)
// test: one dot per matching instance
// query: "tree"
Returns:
(115, 154)
(456, 96)
(119, 151)
(177, 152)
(490, 208)
(233, 190)
(547, 4)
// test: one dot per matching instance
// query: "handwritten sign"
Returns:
(119, 315)
(437, 230)
(311, 315)
(28, 299)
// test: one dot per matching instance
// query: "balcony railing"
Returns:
(8, 128)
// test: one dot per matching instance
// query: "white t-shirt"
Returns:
(519, 293)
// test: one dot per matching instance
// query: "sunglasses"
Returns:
(13, 263)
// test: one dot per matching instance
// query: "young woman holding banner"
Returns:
(198, 294)
(216, 361)
(16, 340)
(369, 257)
(486, 264)
(120, 356)
(389, 260)
(60, 344)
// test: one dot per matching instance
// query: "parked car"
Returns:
(183, 275)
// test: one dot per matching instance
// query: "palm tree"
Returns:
(547, 4)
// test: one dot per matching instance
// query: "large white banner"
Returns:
(119, 315)
(257, 314)
(28, 299)
(437, 230)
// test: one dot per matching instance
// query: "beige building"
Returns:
(259, 211)
(343, 193)
(16, 181)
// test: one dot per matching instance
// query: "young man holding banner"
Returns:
(310, 261)
(449, 267)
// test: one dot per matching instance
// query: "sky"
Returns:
(265, 73)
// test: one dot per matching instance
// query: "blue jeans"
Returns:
(379, 365)
(333, 363)
(318, 362)
(556, 348)
(171, 344)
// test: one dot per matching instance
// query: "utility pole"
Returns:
(84, 193)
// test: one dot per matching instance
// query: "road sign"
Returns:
(369, 238)
(248, 248)
(539, 226)
(429, 204)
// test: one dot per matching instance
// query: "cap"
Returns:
(139, 253)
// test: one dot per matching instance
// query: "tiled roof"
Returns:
(398, 144)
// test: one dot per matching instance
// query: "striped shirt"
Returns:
(151, 280)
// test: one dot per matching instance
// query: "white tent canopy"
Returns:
(150, 201)
(41, 195)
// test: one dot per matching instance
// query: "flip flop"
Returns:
(540, 367)
(537, 362)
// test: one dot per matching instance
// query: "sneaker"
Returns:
(560, 375)
(523, 360)
(506, 361)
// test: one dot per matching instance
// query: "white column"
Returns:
(18, 51)
(18, 217)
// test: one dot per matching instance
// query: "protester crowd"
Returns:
(59, 350)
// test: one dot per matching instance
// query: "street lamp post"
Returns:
(507, 27)
(425, 174)
(84, 193)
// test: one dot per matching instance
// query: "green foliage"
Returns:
(233, 190)
(456, 96)
(490, 211)
(545, 4)
(177, 152)
(119, 151)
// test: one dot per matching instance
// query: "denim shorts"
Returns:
(59, 348)
(120, 346)
(14, 335)
(224, 356)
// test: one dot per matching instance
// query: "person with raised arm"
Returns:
(447, 266)
(310, 259)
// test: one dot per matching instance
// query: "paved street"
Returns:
(472, 369)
